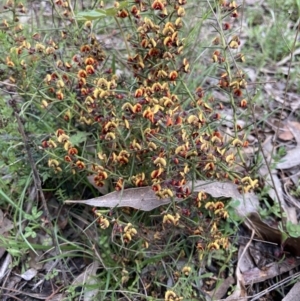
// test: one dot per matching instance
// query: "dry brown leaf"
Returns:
(285, 133)
(29, 274)
(5, 224)
(223, 288)
(273, 234)
(289, 131)
(245, 262)
(275, 192)
(5, 265)
(293, 294)
(291, 159)
(274, 269)
(239, 293)
(88, 277)
(294, 127)
(144, 198)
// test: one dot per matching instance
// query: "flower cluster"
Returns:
(152, 131)
(143, 128)
(129, 232)
(167, 136)
(101, 219)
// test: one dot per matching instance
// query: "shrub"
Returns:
(145, 126)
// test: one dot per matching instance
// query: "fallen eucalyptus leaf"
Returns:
(273, 234)
(29, 274)
(223, 288)
(275, 191)
(290, 160)
(144, 198)
(87, 277)
(292, 157)
(257, 275)
(4, 267)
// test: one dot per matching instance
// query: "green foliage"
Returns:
(292, 229)
(98, 14)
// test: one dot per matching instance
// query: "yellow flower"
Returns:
(210, 206)
(237, 142)
(110, 136)
(201, 196)
(214, 228)
(170, 295)
(39, 47)
(63, 138)
(161, 162)
(186, 270)
(180, 11)
(55, 165)
(104, 223)
(213, 246)
(170, 219)
(129, 232)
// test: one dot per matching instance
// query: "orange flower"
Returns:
(139, 92)
(59, 95)
(82, 74)
(173, 75)
(243, 103)
(79, 164)
(119, 185)
(210, 206)
(59, 132)
(85, 48)
(169, 121)
(73, 151)
(148, 114)
(237, 92)
(9, 63)
(138, 180)
(219, 205)
(63, 138)
(156, 187)
(98, 182)
(157, 5)
(102, 175)
(156, 173)
(89, 69)
(68, 159)
(135, 11)
(123, 14)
